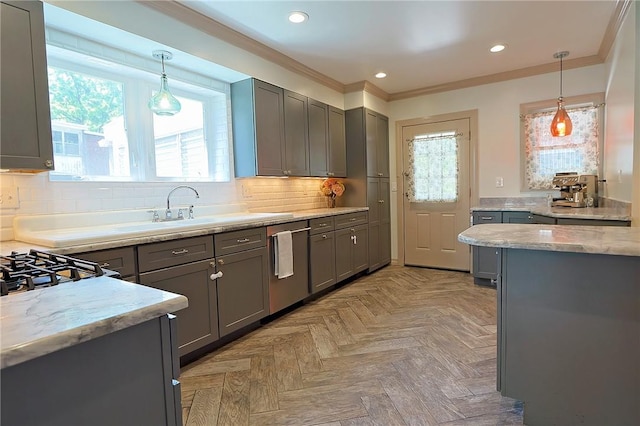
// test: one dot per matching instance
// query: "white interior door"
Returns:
(436, 169)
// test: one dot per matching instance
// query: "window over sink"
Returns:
(104, 131)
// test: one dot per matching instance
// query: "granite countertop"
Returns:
(115, 241)
(35, 323)
(612, 240)
(539, 207)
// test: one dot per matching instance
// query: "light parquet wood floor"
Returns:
(402, 346)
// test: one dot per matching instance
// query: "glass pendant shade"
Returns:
(163, 102)
(561, 124)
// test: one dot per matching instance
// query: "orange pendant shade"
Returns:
(561, 124)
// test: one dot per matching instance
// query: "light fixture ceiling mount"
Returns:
(561, 124)
(163, 102)
(298, 17)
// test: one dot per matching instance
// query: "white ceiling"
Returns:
(419, 44)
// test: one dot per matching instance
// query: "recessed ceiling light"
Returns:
(381, 75)
(298, 17)
(497, 48)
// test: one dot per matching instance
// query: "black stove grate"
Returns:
(28, 271)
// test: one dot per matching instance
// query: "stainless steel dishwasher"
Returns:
(287, 291)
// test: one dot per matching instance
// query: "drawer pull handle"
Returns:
(179, 252)
(486, 218)
(215, 276)
(381, 201)
(105, 265)
(324, 236)
(322, 225)
(353, 219)
(244, 240)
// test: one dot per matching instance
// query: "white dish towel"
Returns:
(283, 254)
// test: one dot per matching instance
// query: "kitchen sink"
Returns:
(52, 232)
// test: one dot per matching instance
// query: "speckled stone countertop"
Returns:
(539, 206)
(35, 323)
(612, 240)
(7, 247)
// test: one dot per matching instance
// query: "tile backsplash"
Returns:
(37, 195)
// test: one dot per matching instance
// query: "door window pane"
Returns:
(433, 168)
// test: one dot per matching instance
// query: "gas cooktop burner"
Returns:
(28, 271)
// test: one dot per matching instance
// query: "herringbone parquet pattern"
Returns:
(403, 346)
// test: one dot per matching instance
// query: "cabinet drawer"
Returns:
(121, 260)
(321, 224)
(487, 217)
(235, 241)
(172, 253)
(351, 219)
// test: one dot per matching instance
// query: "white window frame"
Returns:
(137, 89)
(592, 99)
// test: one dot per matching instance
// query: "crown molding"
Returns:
(218, 30)
(620, 12)
(496, 78)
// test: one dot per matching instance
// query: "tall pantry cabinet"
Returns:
(368, 184)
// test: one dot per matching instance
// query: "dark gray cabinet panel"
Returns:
(170, 253)
(322, 224)
(337, 143)
(382, 145)
(352, 251)
(485, 259)
(121, 378)
(592, 222)
(236, 241)
(243, 289)
(487, 217)
(258, 128)
(296, 134)
(379, 222)
(545, 220)
(517, 217)
(198, 323)
(121, 260)
(318, 138)
(26, 121)
(322, 260)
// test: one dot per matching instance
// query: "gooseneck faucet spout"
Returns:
(168, 212)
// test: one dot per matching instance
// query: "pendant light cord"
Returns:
(560, 75)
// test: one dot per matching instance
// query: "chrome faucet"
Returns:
(180, 216)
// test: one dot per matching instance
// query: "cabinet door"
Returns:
(337, 143)
(318, 138)
(384, 199)
(243, 289)
(296, 134)
(269, 122)
(24, 98)
(485, 262)
(360, 248)
(516, 217)
(373, 191)
(371, 143)
(322, 261)
(198, 323)
(375, 258)
(344, 254)
(382, 146)
(385, 243)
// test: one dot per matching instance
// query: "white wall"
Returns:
(619, 117)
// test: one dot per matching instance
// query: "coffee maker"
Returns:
(576, 190)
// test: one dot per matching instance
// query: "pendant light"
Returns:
(163, 102)
(561, 124)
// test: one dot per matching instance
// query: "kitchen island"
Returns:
(568, 300)
(99, 351)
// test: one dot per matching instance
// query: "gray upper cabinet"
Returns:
(327, 140)
(296, 134)
(377, 143)
(26, 121)
(258, 128)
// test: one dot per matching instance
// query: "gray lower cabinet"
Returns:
(121, 260)
(184, 267)
(352, 245)
(485, 259)
(517, 217)
(26, 121)
(198, 323)
(122, 378)
(378, 197)
(322, 253)
(242, 270)
(543, 220)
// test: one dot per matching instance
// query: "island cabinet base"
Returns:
(569, 336)
(122, 378)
